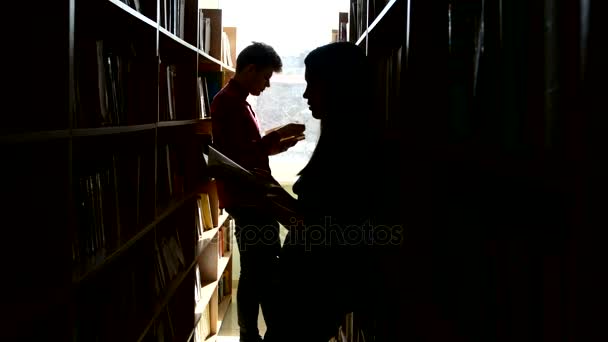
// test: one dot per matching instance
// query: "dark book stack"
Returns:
(167, 81)
(204, 105)
(98, 232)
(115, 74)
(375, 7)
(114, 239)
(204, 32)
(145, 7)
(172, 16)
(387, 85)
(342, 25)
(213, 81)
(113, 195)
(358, 19)
(129, 296)
(171, 175)
(224, 286)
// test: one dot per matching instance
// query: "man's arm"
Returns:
(236, 136)
(281, 138)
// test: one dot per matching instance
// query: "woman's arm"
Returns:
(283, 207)
(278, 202)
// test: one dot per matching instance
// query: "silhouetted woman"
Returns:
(328, 260)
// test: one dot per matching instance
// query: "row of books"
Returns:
(120, 303)
(98, 220)
(171, 103)
(224, 286)
(209, 84)
(171, 175)
(112, 84)
(169, 261)
(114, 87)
(172, 14)
(363, 13)
(203, 328)
(204, 32)
(204, 215)
(224, 239)
(204, 105)
(167, 83)
(124, 179)
(388, 84)
(135, 4)
(358, 14)
(101, 189)
(226, 50)
(342, 27)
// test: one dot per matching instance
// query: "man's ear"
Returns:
(249, 68)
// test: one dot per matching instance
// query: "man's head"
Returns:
(255, 66)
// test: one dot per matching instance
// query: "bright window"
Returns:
(293, 28)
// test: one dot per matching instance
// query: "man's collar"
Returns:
(234, 87)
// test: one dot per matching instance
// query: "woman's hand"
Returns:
(278, 202)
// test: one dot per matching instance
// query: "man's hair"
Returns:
(261, 55)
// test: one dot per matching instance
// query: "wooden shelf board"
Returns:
(176, 39)
(35, 136)
(160, 306)
(204, 241)
(222, 263)
(204, 127)
(178, 123)
(207, 293)
(222, 219)
(89, 132)
(222, 309)
(134, 13)
(216, 61)
(124, 247)
(381, 15)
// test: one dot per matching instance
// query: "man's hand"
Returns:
(280, 139)
(291, 130)
(278, 145)
(285, 131)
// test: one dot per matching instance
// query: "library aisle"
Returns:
(229, 331)
(230, 327)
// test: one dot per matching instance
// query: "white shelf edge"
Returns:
(207, 293)
(379, 17)
(205, 240)
(177, 39)
(221, 220)
(216, 61)
(133, 12)
(222, 263)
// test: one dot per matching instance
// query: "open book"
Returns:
(222, 167)
(280, 203)
(290, 132)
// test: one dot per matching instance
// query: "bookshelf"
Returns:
(381, 29)
(480, 114)
(106, 194)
